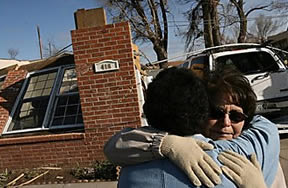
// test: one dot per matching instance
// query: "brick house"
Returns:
(60, 111)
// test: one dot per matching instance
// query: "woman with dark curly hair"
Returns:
(170, 98)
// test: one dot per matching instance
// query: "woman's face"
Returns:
(225, 122)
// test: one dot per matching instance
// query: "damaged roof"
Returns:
(33, 65)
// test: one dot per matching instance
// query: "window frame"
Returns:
(55, 100)
(244, 51)
(60, 70)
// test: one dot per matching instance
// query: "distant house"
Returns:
(61, 110)
(279, 40)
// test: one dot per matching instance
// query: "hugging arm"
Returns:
(133, 146)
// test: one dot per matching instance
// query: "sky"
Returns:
(19, 20)
(55, 18)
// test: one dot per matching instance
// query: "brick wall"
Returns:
(109, 102)
(8, 94)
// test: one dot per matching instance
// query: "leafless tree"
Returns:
(239, 4)
(216, 21)
(203, 22)
(148, 20)
(262, 27)
(13, 53)
(210, 22)
(50, 49)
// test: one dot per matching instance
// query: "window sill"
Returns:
(41, 139)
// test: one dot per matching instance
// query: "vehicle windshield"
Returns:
(249, 63)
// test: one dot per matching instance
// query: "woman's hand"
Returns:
(241, 171)
(187, 153)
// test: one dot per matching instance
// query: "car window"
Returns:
(199, 65)
(185, 65)
(283, 55)
(248, 63)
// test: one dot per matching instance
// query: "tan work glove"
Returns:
(241, 171)
(187, 153)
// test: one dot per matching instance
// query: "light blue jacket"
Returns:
(262, 138)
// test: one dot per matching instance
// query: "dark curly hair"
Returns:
(230, 82)
(176, 102)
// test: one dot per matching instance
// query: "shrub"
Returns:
(99, 170)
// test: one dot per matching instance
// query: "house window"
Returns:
(49, 99)
(67, 106)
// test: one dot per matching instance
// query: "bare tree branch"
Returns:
(13, 53)
(146, 18)
(258, 8)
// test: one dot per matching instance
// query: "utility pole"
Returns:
(50, 49)
(40, 43)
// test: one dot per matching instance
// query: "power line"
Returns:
(63, 49)
(248, 19)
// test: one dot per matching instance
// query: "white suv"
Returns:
(264, 66)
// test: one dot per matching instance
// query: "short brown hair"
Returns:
(230, 82)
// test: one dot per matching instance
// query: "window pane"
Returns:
(69, 82)
(30, 114)
(34, 79)
(79, 118)
(52, 75)
(60, 111)
(37, 93)
(27, 95)
(57, 121)
(69, 120)
(49, 83)
(40, 85)
(46, 92)
(72, 110)
(42, 77)
(31, 86)
(68, 111)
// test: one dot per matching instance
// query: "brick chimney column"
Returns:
(109, 100)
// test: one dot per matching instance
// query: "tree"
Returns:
(148, 20)
(210, 22)
(243, 16)
(263, 26)
(13, 53)
(204, 11)
(216, 16)
(50, 48)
